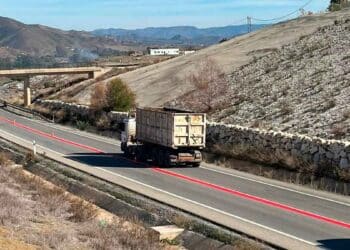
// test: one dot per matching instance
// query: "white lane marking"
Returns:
(72, 131)
(276, 186)
(178, 197)
(208, 207)
(29, 142)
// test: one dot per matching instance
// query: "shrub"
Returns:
(339, 131)
(4, 159)
(82, 125)
(82, 211)
(116, 95)
(103, 122)
(346, 114)
(336, 5)
(119, 96)
(211, 87)
(98, 97)
(61, 115)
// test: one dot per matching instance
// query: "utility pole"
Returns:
(249, 24)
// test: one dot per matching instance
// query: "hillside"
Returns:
(179, 36)
(161, 83)
(303, 87)
(38, 40)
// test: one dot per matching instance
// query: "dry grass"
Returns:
(48, 217)
(112, 236)
(4, 159)
(82, 211)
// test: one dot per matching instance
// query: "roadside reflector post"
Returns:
(34, 147)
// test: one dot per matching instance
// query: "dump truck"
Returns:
(165, 137)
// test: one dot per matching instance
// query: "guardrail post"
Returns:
(34, 147)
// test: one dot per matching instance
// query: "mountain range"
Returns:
(178, 35)
(39, 40)
(18, 39)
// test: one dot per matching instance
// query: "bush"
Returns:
(82, 125)
(98, 97)
(336, 5)
(115, 96)
(103, 122)
(119, 96)
(4, 159)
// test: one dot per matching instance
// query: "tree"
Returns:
(336, 5)
(211, 86)
(119, 96)
(98, 97)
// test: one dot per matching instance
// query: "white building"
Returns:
(164, 52)
(188, 52)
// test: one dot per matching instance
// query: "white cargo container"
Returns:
(171, 129)
(166, 137)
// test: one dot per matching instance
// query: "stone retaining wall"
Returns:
(81, 110)
(227, 138)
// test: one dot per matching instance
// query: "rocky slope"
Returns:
(303, 87)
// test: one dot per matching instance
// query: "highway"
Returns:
(287, 215)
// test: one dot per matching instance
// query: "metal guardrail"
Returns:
(33, 113)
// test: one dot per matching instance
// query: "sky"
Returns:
(130, 14)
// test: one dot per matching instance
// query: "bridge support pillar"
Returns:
(91, 75)
(27, 93)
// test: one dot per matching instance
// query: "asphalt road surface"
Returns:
(283, 214)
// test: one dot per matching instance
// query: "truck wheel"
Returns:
(166, 160)
(140, 154)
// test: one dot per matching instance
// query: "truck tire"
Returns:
(166, 160)
(140, 155)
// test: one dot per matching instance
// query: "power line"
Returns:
(240, 21)
(249, 24)
(283, 17)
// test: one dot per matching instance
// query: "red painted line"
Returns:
(190, 179)
(254, 198)
(50, 136)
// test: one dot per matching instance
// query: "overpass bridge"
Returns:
(26, 74)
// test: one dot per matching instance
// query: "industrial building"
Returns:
(165, 52)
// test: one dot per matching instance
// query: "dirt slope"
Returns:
(157, 84)
(303, 87)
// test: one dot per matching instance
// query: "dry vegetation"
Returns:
(210, 85)
(115, 95)
(35, 215)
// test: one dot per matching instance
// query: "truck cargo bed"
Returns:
(171, 129)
